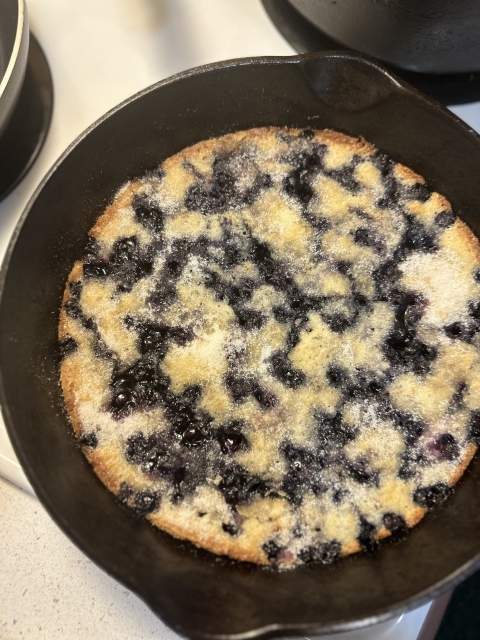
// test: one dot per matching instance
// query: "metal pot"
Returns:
(431, 36)
(14, 36)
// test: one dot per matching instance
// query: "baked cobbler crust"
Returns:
(271, 346)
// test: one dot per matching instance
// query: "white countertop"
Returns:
(101, 52)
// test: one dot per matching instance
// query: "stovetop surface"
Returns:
(103, 52)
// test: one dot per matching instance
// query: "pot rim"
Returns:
(16, 46)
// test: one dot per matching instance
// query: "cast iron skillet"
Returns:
(197, 594)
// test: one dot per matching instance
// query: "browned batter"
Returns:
(271, 346)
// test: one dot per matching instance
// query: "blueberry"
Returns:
(191, 395)
(396, 524)
(265, 398)
(474, 427)
(273, 272)
(174, 267)
(361, 388)
(325, 553)
(344, 267)
(240, 388)
(317, 222)
(408, 306)
(186, 419)
(157, 338)
(283, 314)
(366, 537)
(338, 495)
(145, 502)
(457, 398)
(148, 213)
(250, 319)
(432, 495)
(89, 440)
(406, 470)
(345, 177)
(75, 290)
(411, 427)
(124, 250)
(445, 447)
(231, 438)
(196, 198)
(445, 219)
(68, 347)
(391, 194)
(476, 275)
(308, 134)
(383, 163)
(141, 385)
(387, 274)
(231, 529)
(337, 376)
(138, 446)
(221, 195)
(123, 400)
(96, 270)
(416, 237)
(263, 181)
(155, 456)
(297, 184)
(178, 479)
(163, 296)
(358, 471)
(153, 337)
(125, 492)
(364, 237)
(297, 457)
(460, 331)
(294, 485)
(101, 350)
(304, 472)
(474, 310)
(418, 191)
(129, 273)
(238, 485)
(193, 436)
(333, 431)
(272, 550)
(339, 323)
(92, 250)
(283, 370)
(363, 215)
(219, 286)
(403, 350)
(242, 291)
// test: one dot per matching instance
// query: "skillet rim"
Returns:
(274, 629)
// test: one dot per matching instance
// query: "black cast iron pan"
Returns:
(197, 594)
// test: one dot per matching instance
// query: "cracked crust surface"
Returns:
(271, 346)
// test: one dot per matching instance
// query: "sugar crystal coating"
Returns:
(271, 346)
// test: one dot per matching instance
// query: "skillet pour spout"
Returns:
(199, 595)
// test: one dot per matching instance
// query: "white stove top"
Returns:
(103, 52)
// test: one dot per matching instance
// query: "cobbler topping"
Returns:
(271, 346)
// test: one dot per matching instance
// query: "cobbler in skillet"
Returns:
(271, 346)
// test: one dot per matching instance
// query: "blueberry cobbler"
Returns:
(271, 346)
